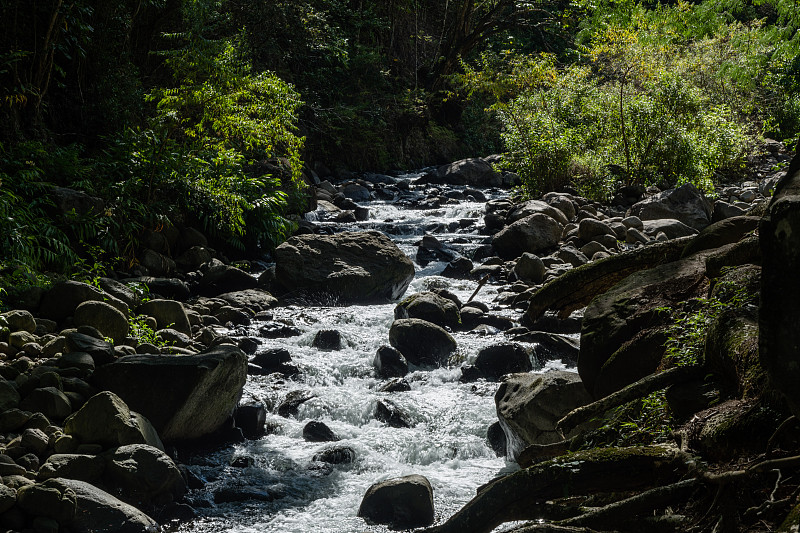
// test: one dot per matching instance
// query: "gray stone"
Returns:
(252, 299)
(672, 228)
(72, 466)
(168, 314)
(145, 473)
(475, 172)
(530, 405)
(536, 206)
(105, 419)
(389, 363)
(533, 234)
(590, 228)
(431, 307)
(196, 393)
(530, 268)
(422, 343)
(19, 320)
(48, 499)
(497, 360)
(49, 401)
(364, 267)
(103, 316)
(9, 397)
(684, 203)
(8, 497)
(405, 502)
(34, 441)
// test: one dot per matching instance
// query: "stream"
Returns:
(272, 484)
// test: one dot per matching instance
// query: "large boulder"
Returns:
(253, 299)
(534, 233)
(422, 343)
(536, 206)
(106, 420)
(431, 307)
(108, 320)
(145, 473)
(684, 203)
(99, 512)
(363, 267)
(530, 405)
(473, 171)
(221, 278)
(186, 397)
(619, 336)
(721, 233)
(497, 360)
(63, 297)
(73, 466)
(405, 502)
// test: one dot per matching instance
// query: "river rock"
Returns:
(275, 360)
(220, 278)
(293, 400)
(529, 268)
(49, 401)
(551, 346)
(84, 467)
(497, 439)
(530, 405)
(670, 227)
(431, 307)
(100, 351)
(364, 267)
(327, 339)
(684, 203)
(63, 297)
(395, 385)
(9, 397)
(318, 432)
(145, 473)
(390, 413)
(475, 172)
(405, 502)
(51, 499)
(107, 420)
(530, 207)
(195, 395)
(253, 299)
(98, 511)
(497, 360)
(533, 234)
(721, 233)
(422, 343)
(108, 320)
(168, 314)
(335, 455)
(390, 363)
(20, 320)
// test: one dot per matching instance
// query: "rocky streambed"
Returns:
(417, 338)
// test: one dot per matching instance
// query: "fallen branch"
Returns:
(632, 392)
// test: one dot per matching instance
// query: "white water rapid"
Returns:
(447, 443)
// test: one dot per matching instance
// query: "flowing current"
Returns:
(272, 484)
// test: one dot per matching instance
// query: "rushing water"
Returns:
(292, 493)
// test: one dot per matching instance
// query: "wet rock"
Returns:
(335, 455)
(242, 494)
(327, 339)
(277, 330)
(294, 399)
(388, 412)
(421, 342)
(551, 346)
(396, 385)
(105, 419)
(251, 419)
(529, 406)
(405, 502)
(390, 363)
(318, 432)
(362, 267)
(430, 307)
(184, 409)
(275, 360)
(497, 439)
(497, 360)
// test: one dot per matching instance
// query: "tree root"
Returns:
(634, 391)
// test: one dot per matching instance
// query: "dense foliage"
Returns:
(204, 112)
